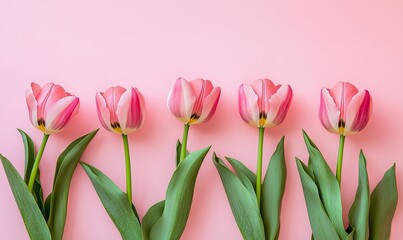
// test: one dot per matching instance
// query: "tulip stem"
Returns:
(128, 169)
(259, 166)
(184, 141)
(34, 170)
(340, 159)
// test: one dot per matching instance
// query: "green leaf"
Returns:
(322, 227)
(383, 205)
(273, 191)
(328, 187)
(29, 163)
(351, 236)
(32, 216)
(178, 152)
(66, 164)
(47, 206)
(179, 197)
(115, 202)
(239, 167)
(242, 199)
(151, 217)
(358, 215)
(29, 155)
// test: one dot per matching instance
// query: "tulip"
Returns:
(344, 110)
(192, 102)
(50, 107)
(50, 110)
(263, 104)
(119, 110)
(122, 111)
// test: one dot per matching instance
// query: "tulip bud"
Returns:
(193, 102)
(50, 107)
(263, 104)
(119, 110)
(343, 109)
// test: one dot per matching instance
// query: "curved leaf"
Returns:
(322, 227)
(151, 217)
(32, 216)
(328, 187)
(351, 236)
(383, 205)
(359, 211)
(273, 191)
(115, 202)
(178, 152)
(239, 167)
(66, 164)
(29, 150)
(242, 200)
(179, 197)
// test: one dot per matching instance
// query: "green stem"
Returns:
(259, 166)
(36, 163)
(128, 169)
(340, 159)
(184, 141)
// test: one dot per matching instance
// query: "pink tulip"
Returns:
(50, 107)
(119, 110)
(193, 102)
(343, 109)
(263, 104)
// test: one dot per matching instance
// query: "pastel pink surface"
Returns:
(88, 46)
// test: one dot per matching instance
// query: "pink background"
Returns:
(89, 45)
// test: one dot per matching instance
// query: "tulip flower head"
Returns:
(50, 107)
(119, 110)
(343, 109)
(263, 104)
(193, 102)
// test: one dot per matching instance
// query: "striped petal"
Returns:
(210, 105)
(112, 96)
(342, 93)
(264, 89)
(279, 104)
(181, 100)
(30, 97)
(60, 114)
(103, 112)
(358, 112)
(130, 111)
(329, 113)
(248, 105)
(47, 97)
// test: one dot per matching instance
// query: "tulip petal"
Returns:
(210, 105)
(130, 111)
(32, 104)
(329, 113)
(342, 93)
(264, 89)
(103, 112)
(112, 97)
(47, 97)
(248, 105)
(279, 104)
(201, 88)
(279, 99)
(358, 112)
(60, 114)
(181, 99)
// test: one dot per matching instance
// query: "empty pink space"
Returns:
(87, 46)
